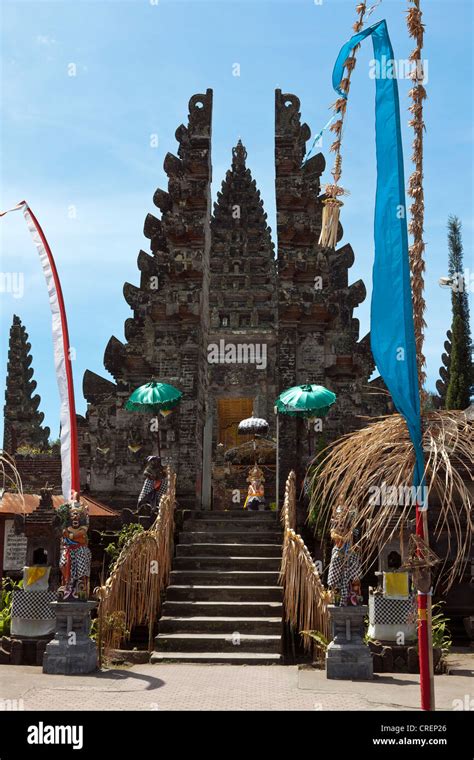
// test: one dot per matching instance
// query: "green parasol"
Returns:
(154, 397)
(305, 401)
(308, 400)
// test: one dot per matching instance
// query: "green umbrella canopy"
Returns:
(153, 397)
(305, 401)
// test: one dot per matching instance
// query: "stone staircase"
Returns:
(224, 604)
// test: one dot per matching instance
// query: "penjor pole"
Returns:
(62, 358)
(393, 333)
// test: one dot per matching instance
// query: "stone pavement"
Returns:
(220, 687)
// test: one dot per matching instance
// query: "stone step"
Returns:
(227, 563)
(225, 658)
(228, 550)
(222, 609)
(228, 525)
(217, 642)
(231, 537)
(207, 624)
(223, 593)
(224, 577)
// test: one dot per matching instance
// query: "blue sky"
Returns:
(77, 148)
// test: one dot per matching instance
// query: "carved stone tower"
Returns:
(167, 335)
(22, 419)
(318, 335)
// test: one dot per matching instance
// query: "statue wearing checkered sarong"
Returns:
(75, 559)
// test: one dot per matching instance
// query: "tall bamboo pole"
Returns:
(417, 267)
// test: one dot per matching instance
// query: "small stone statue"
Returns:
(344, 577)
(155, 484)
(256, 492)
(75, 559)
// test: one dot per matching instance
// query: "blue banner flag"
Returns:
(391, 322)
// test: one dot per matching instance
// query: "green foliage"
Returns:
(6, 601)
(439, 626)
(63, 514)
(112, 624)
(460, 377)
(125, 534)
(459, 387)
(321, 641)
(94, 629)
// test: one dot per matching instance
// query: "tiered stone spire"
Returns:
(23, 421)
(243, 304)
(243, 276)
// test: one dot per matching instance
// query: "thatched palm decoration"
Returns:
(381, 453)
(9, 476)
(305, 599)
(139, 575)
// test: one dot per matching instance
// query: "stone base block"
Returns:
(347, 656)
(350, 663)
(71, 651)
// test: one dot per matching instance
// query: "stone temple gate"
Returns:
(231, 322)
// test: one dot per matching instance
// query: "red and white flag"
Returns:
(62, 357)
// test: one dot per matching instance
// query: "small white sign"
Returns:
(14, 548)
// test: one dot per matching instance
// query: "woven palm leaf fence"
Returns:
(351, 468)
(304, 597)
(131, 596)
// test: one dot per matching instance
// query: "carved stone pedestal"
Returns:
(347, 656)
(71, 651)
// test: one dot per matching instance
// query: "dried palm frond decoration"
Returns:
(10, 479)
(140, 573)
(353, 473)
(331, 203)
(305, 599)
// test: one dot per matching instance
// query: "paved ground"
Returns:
(223, 687)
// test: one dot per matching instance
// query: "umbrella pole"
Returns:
(277, 478)
(158, 434)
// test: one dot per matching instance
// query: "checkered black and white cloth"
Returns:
(80, 560)
(386, 611)
(151, 495)
(343, 569)
(34, 605)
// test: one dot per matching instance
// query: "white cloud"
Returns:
(45, 39)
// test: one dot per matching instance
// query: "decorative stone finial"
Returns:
(239, 155)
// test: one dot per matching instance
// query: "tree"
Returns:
(460, 367)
